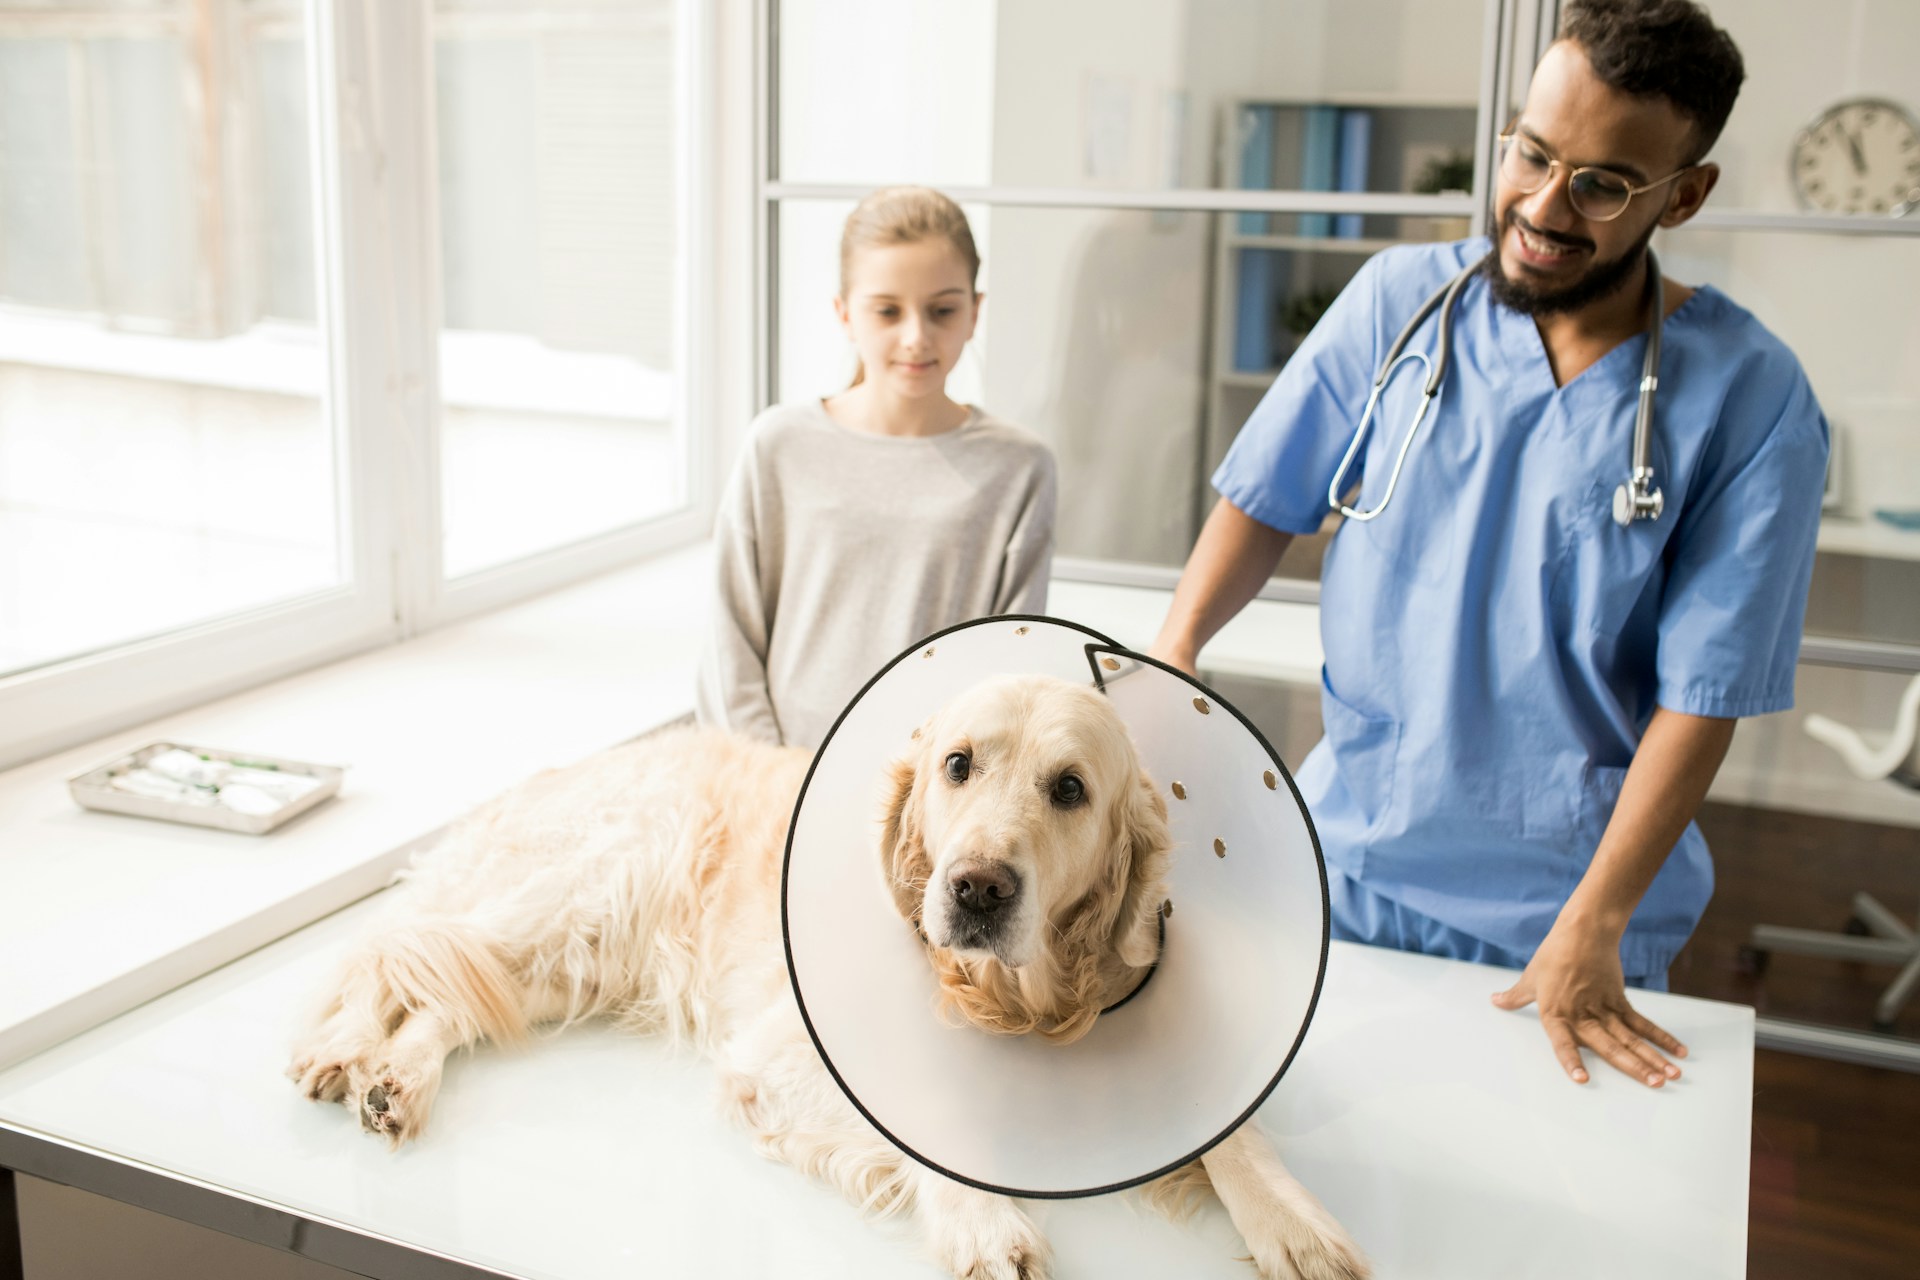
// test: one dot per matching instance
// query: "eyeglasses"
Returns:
(1597, 194)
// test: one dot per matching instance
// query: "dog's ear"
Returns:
(1143, 828)
(903, 850)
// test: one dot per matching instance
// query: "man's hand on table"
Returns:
(1575, 977)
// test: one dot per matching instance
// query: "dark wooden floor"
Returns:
(1836, 1147)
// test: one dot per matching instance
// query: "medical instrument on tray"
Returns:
(1637, 499)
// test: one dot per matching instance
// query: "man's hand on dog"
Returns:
(1576, 979)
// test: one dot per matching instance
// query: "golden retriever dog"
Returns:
(1019, 834)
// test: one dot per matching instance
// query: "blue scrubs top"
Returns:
(1495, 643)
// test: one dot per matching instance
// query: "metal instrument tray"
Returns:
(95, 789)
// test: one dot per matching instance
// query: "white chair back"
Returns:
(1898, 758)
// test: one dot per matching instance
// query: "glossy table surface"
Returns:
(1438, 1129)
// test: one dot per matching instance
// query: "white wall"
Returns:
(1846, 306)
(878, 91)
(872, 92)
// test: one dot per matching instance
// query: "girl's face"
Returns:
(909, 310)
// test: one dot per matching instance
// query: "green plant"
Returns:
(1451, 172)
(1303, 310)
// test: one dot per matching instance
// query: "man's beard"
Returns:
(1602, 279)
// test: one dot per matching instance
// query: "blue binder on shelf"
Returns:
(1259, 275)
(1256, 162)
(1356, 135)
(1319, 164)
(1256, 271)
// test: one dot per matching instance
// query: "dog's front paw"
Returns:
(390, 1089)
(1290, 1233)
(992, 1241)
(1309, 1251)
(386, 1107)
(394, 1101)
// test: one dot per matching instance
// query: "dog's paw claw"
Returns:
(318, 1080)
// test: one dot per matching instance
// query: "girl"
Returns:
(855, 525)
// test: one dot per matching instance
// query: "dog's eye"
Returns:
(1069, 791)
(958, 767)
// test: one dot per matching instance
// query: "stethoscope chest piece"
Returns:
(1638, 499)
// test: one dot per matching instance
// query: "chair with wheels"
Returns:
(1875, 935)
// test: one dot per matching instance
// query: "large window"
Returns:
(558, 250)
(165, 452)
(323, 322)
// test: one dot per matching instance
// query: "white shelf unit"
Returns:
(1844, 536)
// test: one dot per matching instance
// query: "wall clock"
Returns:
(1859, 156)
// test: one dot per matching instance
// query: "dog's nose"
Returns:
(983, 887)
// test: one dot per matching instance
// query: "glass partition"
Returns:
(1136, 94)
(1107, 366)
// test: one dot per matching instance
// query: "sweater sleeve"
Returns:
(1028, 562)
(731, 690)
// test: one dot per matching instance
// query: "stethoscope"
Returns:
(1637, 499)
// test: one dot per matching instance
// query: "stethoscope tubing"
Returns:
(1638, 499)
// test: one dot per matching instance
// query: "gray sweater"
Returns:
(837, 548)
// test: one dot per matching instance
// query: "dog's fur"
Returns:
(644, 885)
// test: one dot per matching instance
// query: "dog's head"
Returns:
(1023, 838)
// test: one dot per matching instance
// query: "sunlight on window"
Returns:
(164, 454)
(559, 248)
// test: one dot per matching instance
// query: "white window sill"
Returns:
(99, 913)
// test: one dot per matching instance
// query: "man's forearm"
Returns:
(1232, 559)
(1664, 787)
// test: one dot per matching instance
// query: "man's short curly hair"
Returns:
(1662, 48)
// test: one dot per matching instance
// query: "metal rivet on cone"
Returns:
(1219, 847)
(1271, 781)
(1179, 791)
(1200, 705)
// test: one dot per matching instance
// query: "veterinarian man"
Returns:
(1524, 699)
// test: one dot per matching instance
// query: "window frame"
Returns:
(377, 252)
